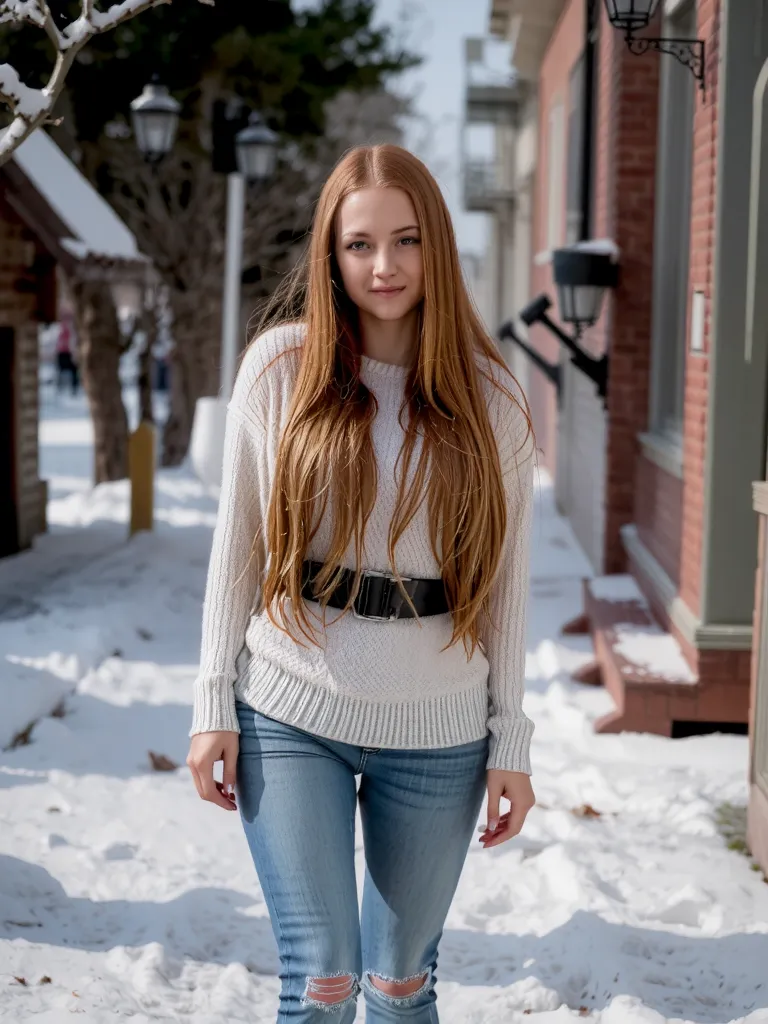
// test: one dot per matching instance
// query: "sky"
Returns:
(436, 29)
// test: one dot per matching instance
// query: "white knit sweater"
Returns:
(372, 684)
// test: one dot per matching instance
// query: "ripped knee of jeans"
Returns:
(400, 991)
(331, 992)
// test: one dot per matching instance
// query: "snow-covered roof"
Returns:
(95, 227)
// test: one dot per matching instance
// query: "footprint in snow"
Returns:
(120, 851)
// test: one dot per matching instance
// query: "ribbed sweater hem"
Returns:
(445, 721)
(435, 722)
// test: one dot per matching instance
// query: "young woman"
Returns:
(365, 608)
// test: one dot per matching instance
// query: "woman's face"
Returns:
(378, 249)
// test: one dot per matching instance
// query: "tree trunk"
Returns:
(194, 368)
(149, 326)
(99, 350)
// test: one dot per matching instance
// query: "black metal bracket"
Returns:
(690, 52)
(594, 368)
(550, 370)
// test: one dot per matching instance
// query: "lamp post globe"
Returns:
(256, 148)
(630, 15)
(155, 118)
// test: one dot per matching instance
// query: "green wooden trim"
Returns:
(736, 415)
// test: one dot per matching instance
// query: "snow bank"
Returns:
(32, 684)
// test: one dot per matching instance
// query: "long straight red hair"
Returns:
(325, 453)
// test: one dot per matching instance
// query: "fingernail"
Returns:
(230, 789)
(493, 824)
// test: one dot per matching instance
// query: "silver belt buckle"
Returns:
(379, 618)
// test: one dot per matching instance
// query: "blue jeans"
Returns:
(297, 796)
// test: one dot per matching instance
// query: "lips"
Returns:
(387, 291)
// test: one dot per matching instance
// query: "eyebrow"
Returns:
(364, 234)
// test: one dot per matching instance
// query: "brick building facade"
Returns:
(27, 298)
(51, 222)
(656, 481)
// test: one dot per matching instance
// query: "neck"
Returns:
(390, 341)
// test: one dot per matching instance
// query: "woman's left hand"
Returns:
(517, 788)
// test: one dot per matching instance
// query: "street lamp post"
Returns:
(155, 119)
(256, 150)
(253, 158)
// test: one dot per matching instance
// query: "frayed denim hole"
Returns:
(401, 1001)
(350, 982)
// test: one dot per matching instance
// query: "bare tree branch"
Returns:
(50, 26)
(32, 108)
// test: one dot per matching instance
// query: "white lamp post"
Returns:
(155, 116)
(256, 150)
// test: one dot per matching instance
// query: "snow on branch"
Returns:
(30, 107)
(22, 10)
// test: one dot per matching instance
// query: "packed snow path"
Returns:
(123, 895)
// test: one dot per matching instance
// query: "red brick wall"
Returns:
(757, 819)
(658, 514)
(756, 626)
(701, 279)
(625, 160)
(634, 85)
(626, 140)
(564, 50)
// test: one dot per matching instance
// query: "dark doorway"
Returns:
(680, 730)
(9, 528)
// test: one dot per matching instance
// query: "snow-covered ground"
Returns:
(123, 895)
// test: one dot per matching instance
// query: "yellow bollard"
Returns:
(141, 467)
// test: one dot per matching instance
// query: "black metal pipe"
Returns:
(591, 16)
(550, 370)
(566, 339)
(595, 369)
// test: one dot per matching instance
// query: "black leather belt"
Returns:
(379, 596)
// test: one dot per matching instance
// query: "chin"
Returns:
(389, 312)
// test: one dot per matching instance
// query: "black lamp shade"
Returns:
(256, 147)
(581, 278)
(631, 15)
(155, 117)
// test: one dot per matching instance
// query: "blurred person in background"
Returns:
(365, 610)
(66, 363)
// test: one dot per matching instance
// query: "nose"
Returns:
(384, 265)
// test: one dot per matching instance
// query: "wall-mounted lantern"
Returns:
(581, 273)
(630, 16)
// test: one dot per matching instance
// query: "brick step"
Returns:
(643, 667)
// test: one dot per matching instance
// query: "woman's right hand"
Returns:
(204, 750)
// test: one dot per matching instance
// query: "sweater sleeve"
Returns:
(505, 634)
(233, 577)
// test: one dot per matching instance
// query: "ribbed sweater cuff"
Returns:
(214, 706)
(510, 744)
